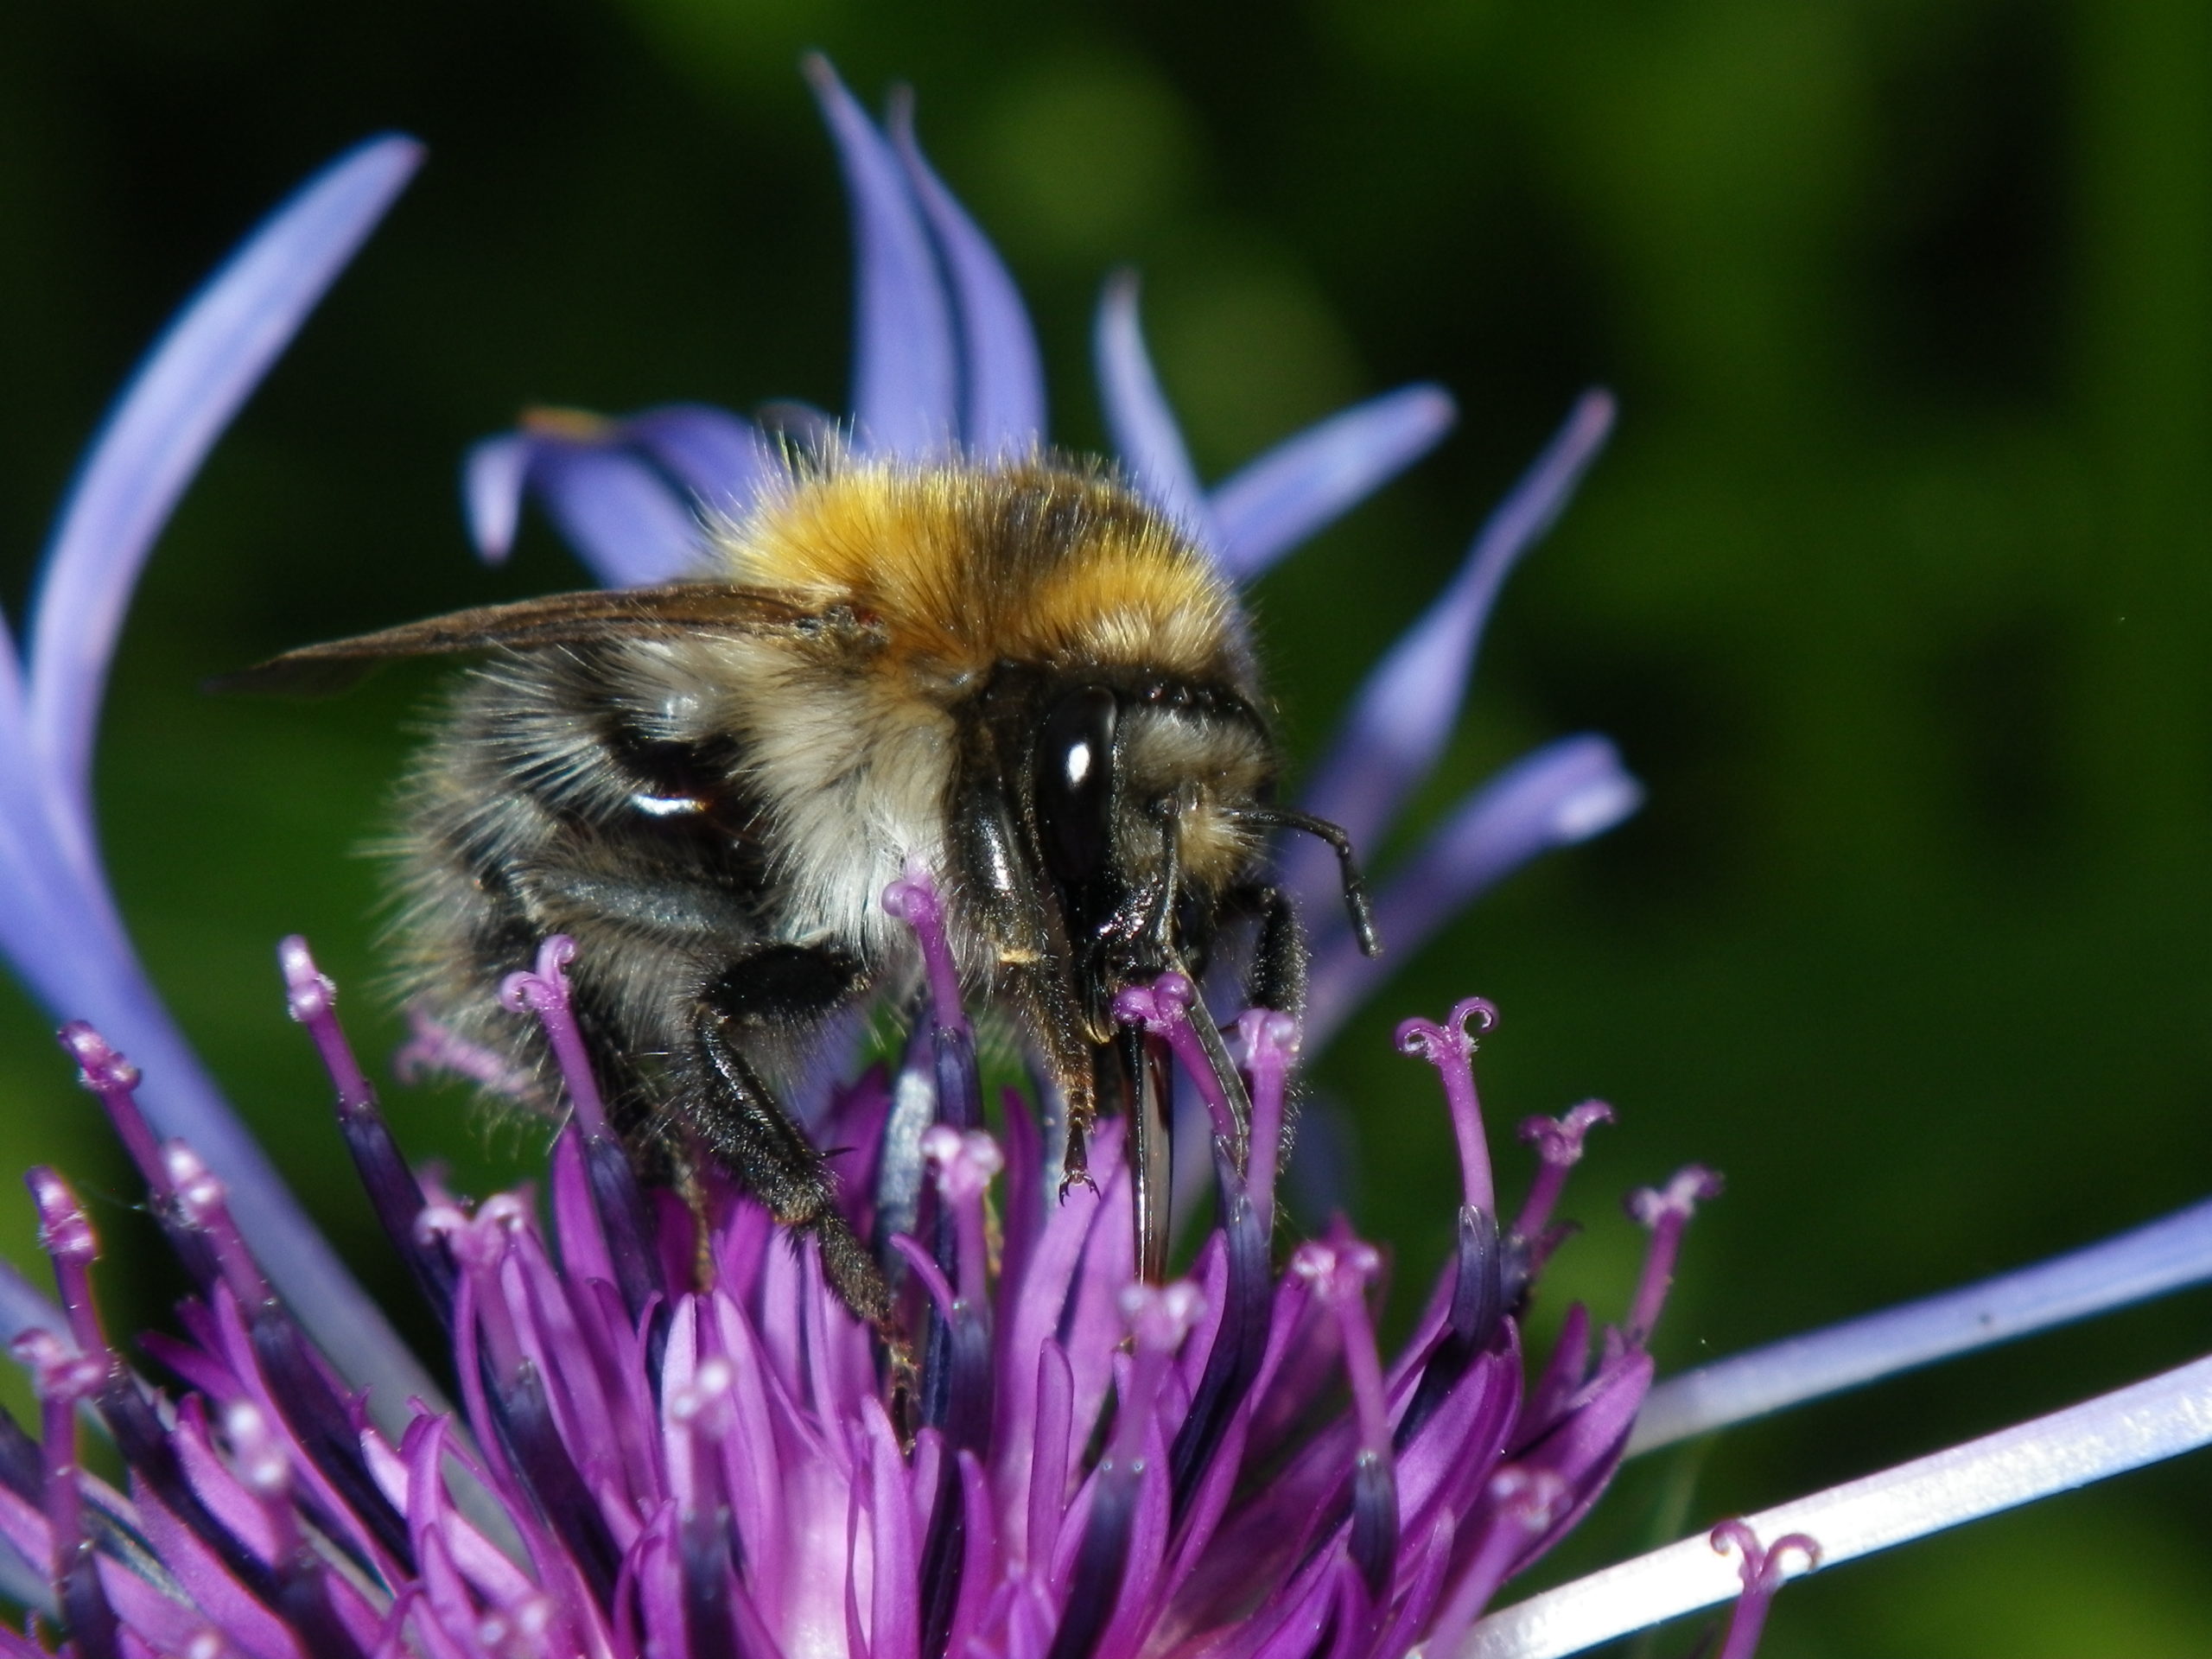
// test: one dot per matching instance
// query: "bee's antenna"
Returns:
(1361, 914)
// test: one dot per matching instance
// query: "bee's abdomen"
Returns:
(546, 804)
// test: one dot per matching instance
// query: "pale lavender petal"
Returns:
(1143, 427)
(719, 458)
(23, 1307)
(492, 479)
(2159, 1417)
(1565, 792)
(1404, 715)
(628, 522)
(903, 372)
(176, 405)
(26, 1586)
(1273, 503)
(1003, 390)
(2138, 1265)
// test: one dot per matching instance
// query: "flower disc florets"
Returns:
(674, 1438)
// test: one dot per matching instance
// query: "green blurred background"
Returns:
(1894, 585)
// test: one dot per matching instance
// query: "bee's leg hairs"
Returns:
(1276, 976)
(777, 989)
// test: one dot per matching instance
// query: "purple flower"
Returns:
(675, 1439)
(670, 1438)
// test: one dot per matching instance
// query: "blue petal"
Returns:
(1403, 715)
(903, 374)
(1277, 501)
(1137, 415)
(627, 494)
(59, 924)
(492, 478)
(24, 1307)
(719, 458)
(2173, 1253)
(178, 403)
(1565, 792)
(631, 525)
(1002, 404)
(36, 822)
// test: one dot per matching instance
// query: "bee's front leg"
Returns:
(1277, 977)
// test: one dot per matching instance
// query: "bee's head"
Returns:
(1096, 820)
(1140, 796)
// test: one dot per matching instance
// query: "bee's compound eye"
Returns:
(1074, 782)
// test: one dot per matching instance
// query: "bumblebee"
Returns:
(1020, 675)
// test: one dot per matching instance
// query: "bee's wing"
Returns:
(663, 613)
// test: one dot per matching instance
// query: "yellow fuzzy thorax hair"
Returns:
(965, 566)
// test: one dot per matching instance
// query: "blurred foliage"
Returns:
(1894, 588)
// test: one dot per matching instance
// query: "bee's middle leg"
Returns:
(730, 1107)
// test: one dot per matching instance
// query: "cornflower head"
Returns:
(671, 1436)
(675, 1439)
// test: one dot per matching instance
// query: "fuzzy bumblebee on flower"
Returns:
(902, 707)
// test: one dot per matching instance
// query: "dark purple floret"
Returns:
(677, 1445)
(394, 1193)
(620, 1205)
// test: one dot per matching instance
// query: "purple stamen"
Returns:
(1521, 1505)
(325, 1425)
(1339, 1277)
(1270, 1044)
(514, 1403)
(431, 1047)
(64, 1381)
(201, 1206)
(264, 1468)
(1450, 1048)
(943, 1296)
(394, 1193)
(1158, 1317)
(1558, 1141)
(311, 996)
(1240, 1342)
(1763, 1572)
(700, 1414)
(960, 1399)
(1163, 1008)
(113, 1078)
(914, 901)
(1246, 1223)
(1471, 1317)
(1666, 1211)
(66, 1235)
(964, 1163)
(478, 1245)
(899, 1164)
(545, 993)
(622, 1204)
